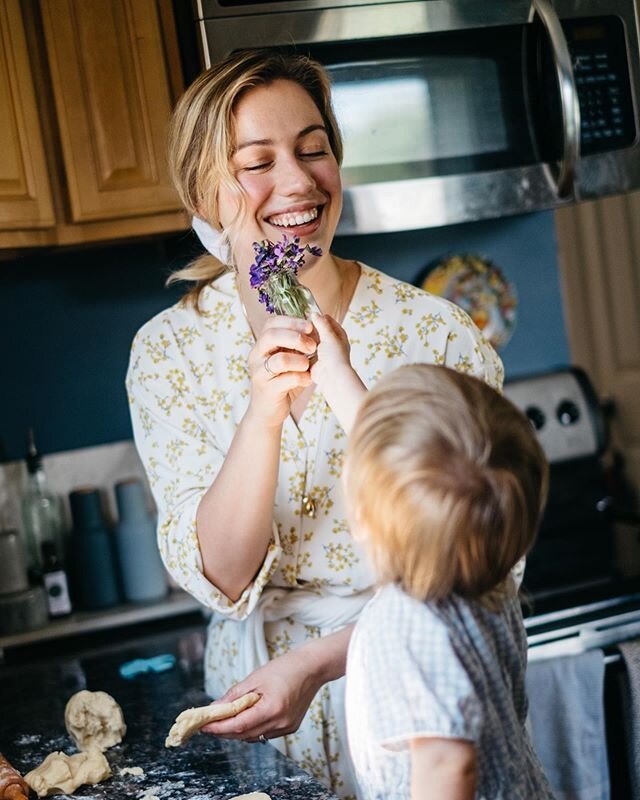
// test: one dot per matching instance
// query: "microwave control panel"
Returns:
(600, 66)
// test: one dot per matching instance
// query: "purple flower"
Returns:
(273, 274)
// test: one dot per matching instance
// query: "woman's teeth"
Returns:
(289, 220)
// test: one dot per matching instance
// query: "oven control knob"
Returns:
(536, 416)
(568, 413)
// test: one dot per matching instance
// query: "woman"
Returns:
(243, 441)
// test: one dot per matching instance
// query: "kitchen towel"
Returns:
(631, 710)
(567, 725)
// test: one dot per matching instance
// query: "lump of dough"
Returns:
(252, 796)
(94, 719)
(131, 771)
(191, 720)
(62, 774)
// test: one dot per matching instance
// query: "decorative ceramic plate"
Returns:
(480, 288)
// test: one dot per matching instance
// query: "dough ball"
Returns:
(252, 796)
(63, 774)
(94, 720)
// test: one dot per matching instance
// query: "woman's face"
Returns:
(283, 161)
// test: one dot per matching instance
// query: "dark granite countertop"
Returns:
(33, 697)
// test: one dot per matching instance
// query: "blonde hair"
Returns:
(447, 481)
(201, 138)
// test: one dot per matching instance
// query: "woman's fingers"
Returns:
(294, 323)
(262, 719)
(285, 361)
(286, 333)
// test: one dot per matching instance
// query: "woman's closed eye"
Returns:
(257, 167)
(314, 154)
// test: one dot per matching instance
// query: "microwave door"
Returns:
(555, 110)
(447, 128)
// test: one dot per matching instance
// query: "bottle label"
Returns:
(57, 593)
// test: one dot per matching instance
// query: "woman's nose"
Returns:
(295, 177)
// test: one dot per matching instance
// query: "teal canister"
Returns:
(143, 573)
(93, 560)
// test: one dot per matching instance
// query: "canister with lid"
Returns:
(93, 558)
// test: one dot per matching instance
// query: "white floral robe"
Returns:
(189, 387)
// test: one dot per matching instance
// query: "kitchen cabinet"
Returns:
(25, 194)
(86, 92)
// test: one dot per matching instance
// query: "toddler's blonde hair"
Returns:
(446, 480)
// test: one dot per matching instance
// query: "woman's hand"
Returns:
(287, 686)
(279, 367)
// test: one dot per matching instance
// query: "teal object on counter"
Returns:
(141, 568)
(140, 665)
(94, 570)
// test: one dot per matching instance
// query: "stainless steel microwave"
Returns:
(458, 110)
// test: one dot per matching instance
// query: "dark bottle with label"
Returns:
(55, 582)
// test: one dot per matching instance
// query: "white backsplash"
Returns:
(101, 467)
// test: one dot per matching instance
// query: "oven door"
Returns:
(450, 111)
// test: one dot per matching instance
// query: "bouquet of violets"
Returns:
(275, 275)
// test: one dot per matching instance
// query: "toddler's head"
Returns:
(445, 481)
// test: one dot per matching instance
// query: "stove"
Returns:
(572, 563)
(573, 596)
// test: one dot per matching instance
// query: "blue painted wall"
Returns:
(524, 248)
(67, 318)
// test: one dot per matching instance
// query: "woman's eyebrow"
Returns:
(304, 132)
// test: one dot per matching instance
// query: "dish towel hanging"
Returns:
(631, 710)
(567, 725)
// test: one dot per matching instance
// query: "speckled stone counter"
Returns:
(32, 701)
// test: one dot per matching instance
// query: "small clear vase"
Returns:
(289, 297)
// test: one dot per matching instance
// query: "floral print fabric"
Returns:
(189, 388)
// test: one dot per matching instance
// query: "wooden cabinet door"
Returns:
(25, 197)
(600, 267)
(111, 84)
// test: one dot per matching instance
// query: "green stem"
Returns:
(289, 297)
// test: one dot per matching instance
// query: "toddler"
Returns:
(445, 483)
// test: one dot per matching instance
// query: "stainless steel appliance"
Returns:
(455, 110)
(577, 600)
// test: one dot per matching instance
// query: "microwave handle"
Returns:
(568, 96)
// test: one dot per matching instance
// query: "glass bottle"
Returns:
(41, 512)
(55, 582)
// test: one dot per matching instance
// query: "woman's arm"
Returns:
(287, 685)
(234, 517)
(443, 769)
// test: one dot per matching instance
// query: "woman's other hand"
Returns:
(333, 373)
(279, 368)
(287, 686)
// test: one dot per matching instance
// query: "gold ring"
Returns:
(266, 364)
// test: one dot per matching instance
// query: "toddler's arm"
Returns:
(332, 372)
(442, 769)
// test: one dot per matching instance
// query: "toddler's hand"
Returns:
(333, 350)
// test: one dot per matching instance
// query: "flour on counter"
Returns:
(148, 794)
(27, 738)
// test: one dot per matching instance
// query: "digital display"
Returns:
(588, 33)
